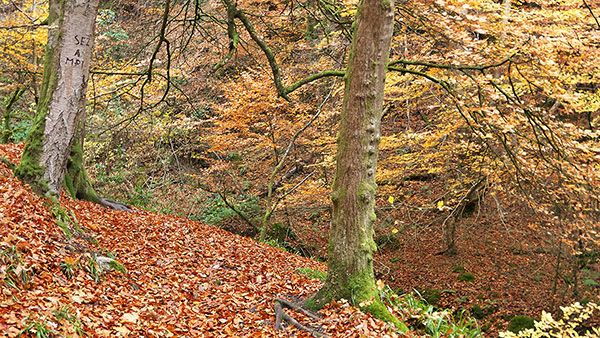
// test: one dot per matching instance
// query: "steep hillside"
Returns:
(183, 278)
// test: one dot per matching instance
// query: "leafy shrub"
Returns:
(574, 323)
(20, 130)
(117, 34)
(141, 197)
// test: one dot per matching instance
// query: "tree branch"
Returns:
(451, 66)
(314, 77)
(233, 35)
(589, 8)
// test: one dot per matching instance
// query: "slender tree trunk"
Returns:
(60, 112)
(351, 244)
(8, 109)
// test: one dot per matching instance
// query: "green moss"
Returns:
(364, 293)
(360, 291)
(77, 181)
(320, 299)
(7, 163)
(477, 312)
(458, 268)
(366, 190)
(369, 246)
(314, 274)
(466, 277)
(380, 311)
(30, 169)
(520, 323)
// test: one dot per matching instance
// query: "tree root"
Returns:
(281, 315)
(115, 205)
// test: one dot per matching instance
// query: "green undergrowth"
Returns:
(215, 210)
(95, 266)
(428, 319)
(520, 323)
(313, 274)
(414, 311)
(38, 329)
(65, 220)
(63, 323)
(13, 270)
(466, 277)
(94, 261)
(7, 163)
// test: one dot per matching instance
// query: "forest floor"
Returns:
(183, 278)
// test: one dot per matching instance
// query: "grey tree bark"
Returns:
(67, 107)
(61, 109)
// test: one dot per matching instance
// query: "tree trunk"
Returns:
(61, 109)
(77, 181)
(351, 244)
(8, 109)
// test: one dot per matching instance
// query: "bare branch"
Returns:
(589, 8)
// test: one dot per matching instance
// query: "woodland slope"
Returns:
(183, 278)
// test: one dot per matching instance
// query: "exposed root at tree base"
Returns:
(115, 205)
(281, 316)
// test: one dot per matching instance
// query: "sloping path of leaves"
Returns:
(184, 279)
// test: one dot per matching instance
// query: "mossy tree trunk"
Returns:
(77, 181)
(61, 109)
(351, 244)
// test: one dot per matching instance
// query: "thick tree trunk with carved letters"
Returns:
(61, 110)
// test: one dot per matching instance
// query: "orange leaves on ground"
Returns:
(184, 278)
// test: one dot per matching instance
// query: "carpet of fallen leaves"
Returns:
(184, 278)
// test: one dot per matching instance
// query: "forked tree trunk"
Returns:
(61, 109)
(351, 244)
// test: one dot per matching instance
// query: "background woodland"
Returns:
(489, 164)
